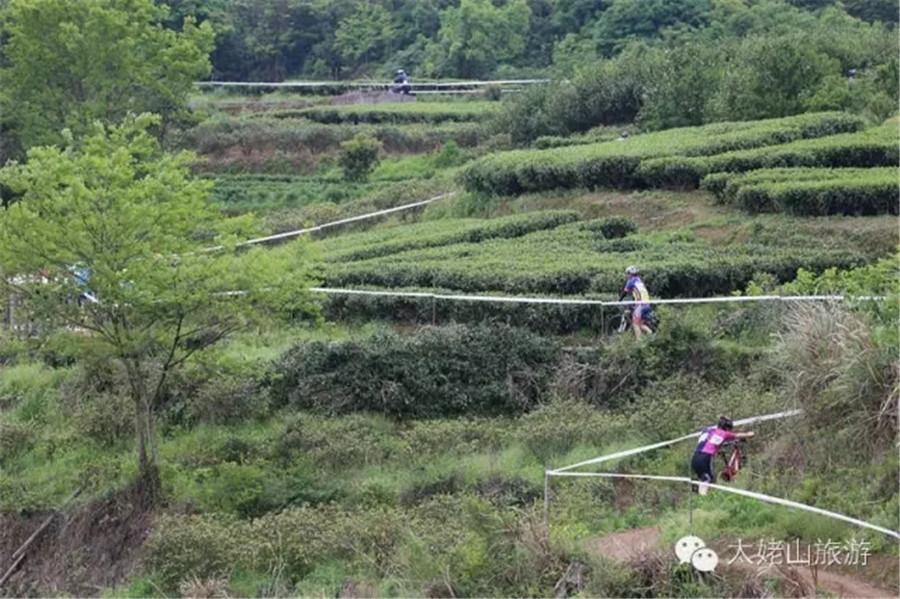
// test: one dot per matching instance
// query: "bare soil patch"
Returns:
(80, 553)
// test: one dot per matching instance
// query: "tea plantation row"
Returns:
(572, 259)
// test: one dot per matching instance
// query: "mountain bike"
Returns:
(735, 459)
(625, 323)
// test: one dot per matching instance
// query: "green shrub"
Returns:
(228, 397)
(31, 389)
(107, 418)
(202, 546)
(611, 227)
(359, 156)
(449, 156)
(561, 425)
(16, 438)
(493, 93)
(437, 372)
(361, 439)
(457, 437)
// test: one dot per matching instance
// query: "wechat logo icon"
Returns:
(692, 550)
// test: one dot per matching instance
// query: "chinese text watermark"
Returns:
(774, 552)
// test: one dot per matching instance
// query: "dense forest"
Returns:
(651, 63)
(279, 39)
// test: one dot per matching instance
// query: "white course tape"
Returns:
(636, 450)
(744, 492)
(360, 84)
(621, 454)
(342, 221)
(586, 302)
(464, 298)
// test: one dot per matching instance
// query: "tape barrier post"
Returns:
(547, 504)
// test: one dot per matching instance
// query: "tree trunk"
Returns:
(149, 481)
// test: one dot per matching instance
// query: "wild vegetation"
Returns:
(300, 443)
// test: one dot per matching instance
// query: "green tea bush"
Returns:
(403, 112)
(620, 164)
(540, 318)
(871, 148)
(263, 193)
(810, 191)
(383, 242)
(449, 156)
(437, 372)
(569, 260)
(238, 140)
(686, 401)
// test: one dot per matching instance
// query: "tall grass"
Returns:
(844, 381)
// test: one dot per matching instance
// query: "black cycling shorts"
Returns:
(702, 465)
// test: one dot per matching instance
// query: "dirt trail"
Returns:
(625, 545)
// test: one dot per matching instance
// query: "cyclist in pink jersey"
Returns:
(708, 445)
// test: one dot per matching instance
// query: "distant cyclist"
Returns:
(708, 445)
(640, 312)
(401, 83)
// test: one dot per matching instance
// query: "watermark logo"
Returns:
(774, 552)
(693, 550)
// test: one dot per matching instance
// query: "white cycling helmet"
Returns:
(632, 270)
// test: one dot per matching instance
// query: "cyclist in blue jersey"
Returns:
(640, 313)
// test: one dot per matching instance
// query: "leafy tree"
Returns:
(365, 34)
(70, 63)
(571, 15)
(769, 77)
(872, 93)
(885, 11)
(476, 36)
(116, 208)
(627, 20)
(542, 32)
(572, 53)
(277, 36)
(685, 78)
